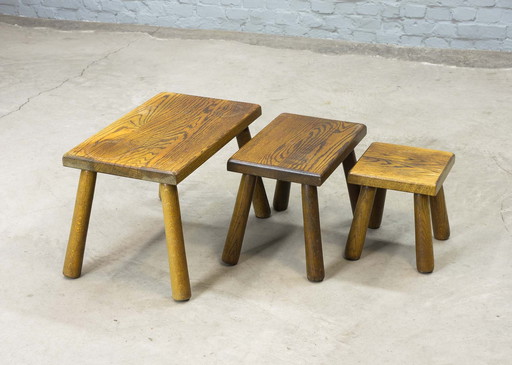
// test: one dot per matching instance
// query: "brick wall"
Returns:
(467, 24)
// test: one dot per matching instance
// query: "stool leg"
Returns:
(440, 216)
(424, 249)
(236, 232)
(80, 224)
(357, 234)
(378, 209)
(353, 190)
(260, 201)
(180, 283)
(312, 235)
(282, 195)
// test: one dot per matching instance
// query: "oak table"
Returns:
(163, 140)
(410, 169)
(300, 149)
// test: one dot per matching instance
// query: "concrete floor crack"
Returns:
(81, 74)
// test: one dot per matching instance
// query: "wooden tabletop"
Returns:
(411, 169)
(298, 148)
(164, 139)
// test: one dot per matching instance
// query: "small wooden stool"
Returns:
(164, 140)
(300, 149)
(410, 169)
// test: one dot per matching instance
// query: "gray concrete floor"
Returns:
(59, 87)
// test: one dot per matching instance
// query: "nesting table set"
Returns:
(168, 137)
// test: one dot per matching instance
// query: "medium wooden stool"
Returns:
(410, 169)
(300, 149)
(163, 140)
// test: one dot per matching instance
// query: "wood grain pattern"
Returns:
(164, 139)
(79, 226)
(235, 237)
(440, 223)
(424, 249)
(312, 234)
(298, 149)
(180, 282)
(282, 195)
(259, 200)
(410, 169)
(357, 233)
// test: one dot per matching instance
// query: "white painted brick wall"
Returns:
(469, 24)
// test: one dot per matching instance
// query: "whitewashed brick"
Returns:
(303, 5)
(237, 14)
(438, 14)
(463, 14)
(445, 30)
(367, 8)
(489, 15)
(413, 11)
(278, 4)
(231, 2)
(322, 7)
(478, 31)
(434, 42)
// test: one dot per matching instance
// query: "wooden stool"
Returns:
(410, 169)
(293, 148)
(163, 140)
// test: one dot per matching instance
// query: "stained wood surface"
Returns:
(259, 200)
(312, 234)
(80, 225)
(164, 139)
(235, 237)
(298, 148)
(423, 233)
(440, 222)
(180, 282)
(353, 190)
(410, 169)
(282, 195)
(357, 233)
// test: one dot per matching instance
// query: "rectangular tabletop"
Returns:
(164, 139)
(298, 148)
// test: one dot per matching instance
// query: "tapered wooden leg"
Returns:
(357, 234)
(79, 225)
(353, 190)
(282, 195)
(236, 232)
(440, 216)
(378, 209)
(312, 235)
(180, 282)
(424, 249)
(260, 201)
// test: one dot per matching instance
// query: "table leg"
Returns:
(423, 230)
(357, 233)
(353, 190)
(236, 232)
(282, 195)
(378, 209)
(259, 201)
(80, 224)
(440, 221)
(312, 235)
(180, 282)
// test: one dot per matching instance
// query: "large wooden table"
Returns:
(164, 140)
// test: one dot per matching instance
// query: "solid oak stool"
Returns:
(410, 169)
(293, 148)
(163, 140)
